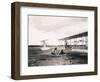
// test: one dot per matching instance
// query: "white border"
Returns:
(25, 70)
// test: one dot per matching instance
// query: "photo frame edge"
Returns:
(15, 41)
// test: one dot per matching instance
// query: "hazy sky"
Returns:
(54, 27)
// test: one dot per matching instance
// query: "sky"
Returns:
(52, 28)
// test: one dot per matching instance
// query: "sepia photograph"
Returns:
(57, 40)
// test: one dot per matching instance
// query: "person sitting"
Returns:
(54, 52)
(62, 52)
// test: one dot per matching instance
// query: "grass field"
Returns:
(38, 57)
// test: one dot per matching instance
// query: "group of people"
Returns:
(57, 51)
